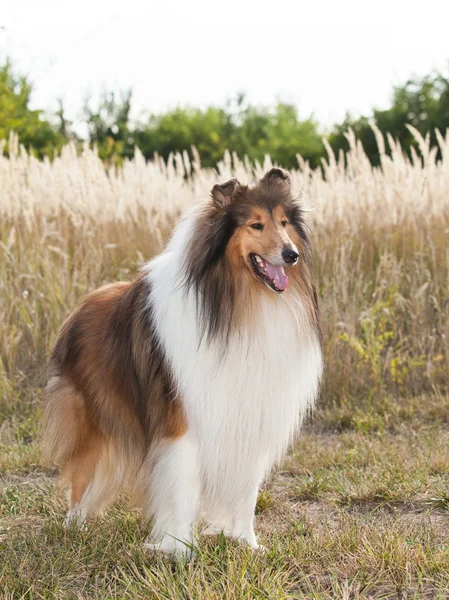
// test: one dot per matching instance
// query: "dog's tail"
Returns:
(64, 427)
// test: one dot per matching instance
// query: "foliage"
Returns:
(249, 131)
(15, 115)
(420, 102)
(109, 126)
(252, 131)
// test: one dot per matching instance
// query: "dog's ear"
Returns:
(277, 176)
(222, 194)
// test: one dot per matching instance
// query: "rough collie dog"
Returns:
(189, 382)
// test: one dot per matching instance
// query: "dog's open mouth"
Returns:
(273, 276)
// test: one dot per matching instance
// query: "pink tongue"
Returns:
(277, 275)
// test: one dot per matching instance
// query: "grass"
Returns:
(359, 508)
(355, 513)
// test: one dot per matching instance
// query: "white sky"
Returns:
(327, 57)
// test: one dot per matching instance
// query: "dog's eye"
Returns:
(258, 226)
(284, 223)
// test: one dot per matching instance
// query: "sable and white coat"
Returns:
(190, 382)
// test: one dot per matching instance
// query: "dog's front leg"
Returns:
(243, 522)
(174, 493)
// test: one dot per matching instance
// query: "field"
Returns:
(360, 507)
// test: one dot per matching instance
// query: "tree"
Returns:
(209, 131)
(246, 130)
(33, 129)
(288, 136)
(237, 126)
(421, 102)
(109, 126)
(63, 126)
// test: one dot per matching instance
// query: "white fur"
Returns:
(243, 405)
(174, 494)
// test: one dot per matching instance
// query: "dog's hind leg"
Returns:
(80, 473)
(91, 467)
(96, 476)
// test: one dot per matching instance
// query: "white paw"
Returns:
(254, 547)
(214, 529)
(251, 541)
(178, 549)
(75, 518)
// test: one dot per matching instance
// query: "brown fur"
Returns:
(109, 389)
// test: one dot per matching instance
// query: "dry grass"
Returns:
(359, 509)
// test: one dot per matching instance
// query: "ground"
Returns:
(359, 509)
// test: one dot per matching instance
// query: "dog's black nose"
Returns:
(290, 256)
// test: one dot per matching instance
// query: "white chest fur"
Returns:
(243, 403)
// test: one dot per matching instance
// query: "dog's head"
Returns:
(246, 240)
(261, 227)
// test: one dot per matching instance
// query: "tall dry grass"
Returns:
(381, 256)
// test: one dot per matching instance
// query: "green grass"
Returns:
(359, 511)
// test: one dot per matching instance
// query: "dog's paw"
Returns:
(251, 542)
(177, 549)
(75, 519)
(213, 529)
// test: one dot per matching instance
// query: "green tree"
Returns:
(288, 136)
(246, 130)
(237, 126)
(276, 131)
(177, 130)
(33, 129)
(63, 126)
(421, 102)
(109, 126)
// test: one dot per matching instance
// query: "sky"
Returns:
(327, 57)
